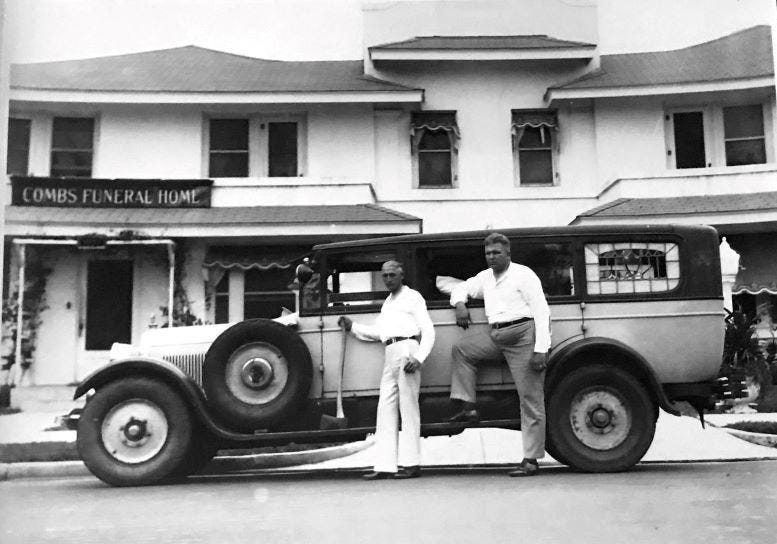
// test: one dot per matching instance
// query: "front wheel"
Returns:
(600, 419)
(134, 431)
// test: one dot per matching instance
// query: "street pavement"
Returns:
(677, 439)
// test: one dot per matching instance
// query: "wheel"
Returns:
(257, 374)
(134, 431)
(600, 419)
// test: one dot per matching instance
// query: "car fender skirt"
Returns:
(571, 354)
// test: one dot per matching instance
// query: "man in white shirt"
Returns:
(519, 320)
(406, 329)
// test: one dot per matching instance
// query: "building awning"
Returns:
(434, 120)
(247, 258)
(331, 222)
(757, 263)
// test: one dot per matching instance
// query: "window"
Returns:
(72, 146)
(552, 262)
(631, 267)
(222, 299)
(689, 140)
(743, 128)
(435, 136)
(534, 135)
(266, 293)
(282, 149)
(228, 148)
(18, 147)
(442, 267)
(354, 279)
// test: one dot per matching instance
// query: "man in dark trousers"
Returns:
(519, 320)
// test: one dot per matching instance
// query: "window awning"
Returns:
(246, 258)
(534, 119)
(434, 120)
(757, 263)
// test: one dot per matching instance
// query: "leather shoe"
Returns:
(465, 415)
(408, 472)
(525, 468)
(377, 476)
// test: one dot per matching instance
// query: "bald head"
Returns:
(393, 273)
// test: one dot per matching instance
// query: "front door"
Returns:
(107, 312)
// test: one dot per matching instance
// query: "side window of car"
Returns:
(354, 280)
(552, 262)
(442, 267)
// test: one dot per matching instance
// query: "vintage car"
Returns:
(637, 325)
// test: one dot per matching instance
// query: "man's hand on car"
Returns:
(345, 323)
(462, 315)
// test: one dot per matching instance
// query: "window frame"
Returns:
(27, 149)
(258, 142)
(90, 150)
(211, 151)
(762, 137)
(433, 121)
(553, 147)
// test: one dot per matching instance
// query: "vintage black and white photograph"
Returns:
(388, 271)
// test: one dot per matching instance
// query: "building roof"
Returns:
(195, 69)
(251, 215)
(743, 55)
(483, 42)
(684, 205)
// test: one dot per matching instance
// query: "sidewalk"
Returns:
(30, 448)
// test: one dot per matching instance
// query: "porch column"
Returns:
(729, 266)
(170, 282)
(20, 308)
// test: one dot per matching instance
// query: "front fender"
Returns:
(153, 368)
(571, 354)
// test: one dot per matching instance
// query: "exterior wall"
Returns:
(485, 94)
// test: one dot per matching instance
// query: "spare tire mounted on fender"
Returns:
(257, 374)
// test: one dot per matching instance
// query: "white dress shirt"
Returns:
(517, 293)
(403, 314)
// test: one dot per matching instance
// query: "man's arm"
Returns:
(535, 297)
(421, 315)
(366, 333)
(461, 293)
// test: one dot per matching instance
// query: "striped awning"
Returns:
(757, 263)
(259, 258)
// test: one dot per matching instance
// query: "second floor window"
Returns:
(18, 157)
(282, 149)
(435, 139)
(743, 128)
(534, 138)
(228, 148)
(72, 146)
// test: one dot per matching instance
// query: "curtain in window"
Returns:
(435, 120)
(535, 119)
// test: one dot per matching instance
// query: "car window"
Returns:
(552, 262)
(354, 280)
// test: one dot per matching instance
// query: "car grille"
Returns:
(191, 363)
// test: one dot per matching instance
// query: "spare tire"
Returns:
(257, 374)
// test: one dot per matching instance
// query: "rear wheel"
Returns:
(257, 374)
(600, 419)
(134, 431)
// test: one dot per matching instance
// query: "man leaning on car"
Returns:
(519, 320)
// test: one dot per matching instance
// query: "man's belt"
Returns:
(393, 339)
(509, 323)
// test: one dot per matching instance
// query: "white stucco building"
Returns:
(199, 178)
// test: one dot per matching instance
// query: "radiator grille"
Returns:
(191, 363)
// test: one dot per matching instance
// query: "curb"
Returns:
(219, 465)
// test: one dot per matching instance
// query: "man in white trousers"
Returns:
(406, 329)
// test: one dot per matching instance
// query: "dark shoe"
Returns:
(408, 472)
(527, 467)
(468, 415)
(377, 476)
